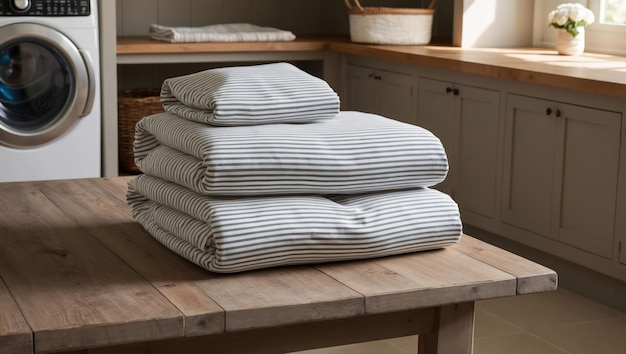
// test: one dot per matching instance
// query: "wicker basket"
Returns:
(386, 25)
(132, 106)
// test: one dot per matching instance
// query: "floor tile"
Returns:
(606, 337)
(548, 323)
(488, 325)
(548, 309)
(520, 343)
(406, 344)
(375, 347)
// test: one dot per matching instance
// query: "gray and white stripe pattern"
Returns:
(250, 95)
(352, 153)
(225, 234)
(228, 32)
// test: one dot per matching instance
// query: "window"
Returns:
(606, 35)
(612, 12)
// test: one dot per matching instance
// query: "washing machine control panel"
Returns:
(45, 8)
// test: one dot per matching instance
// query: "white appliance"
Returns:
(50, 116)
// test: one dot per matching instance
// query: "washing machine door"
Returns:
(46, 84)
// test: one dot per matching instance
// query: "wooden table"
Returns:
(79, 275)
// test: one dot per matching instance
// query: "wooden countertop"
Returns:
(76, 271)
(593, 73)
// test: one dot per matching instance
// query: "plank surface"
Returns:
(146, 45)
(281, 296)
(73, 292)
(531, 277)
(429, 278)
(251, 300)
(81, 273)
(109, 220)
(15, 335)
(591, 73)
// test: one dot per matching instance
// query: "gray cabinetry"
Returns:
(466, 119)
(382, 92)
(561, 172)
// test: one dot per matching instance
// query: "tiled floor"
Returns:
(547, 323)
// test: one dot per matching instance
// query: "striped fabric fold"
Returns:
(229, 32)
(250, 95)
(228, 234)
(353, 153)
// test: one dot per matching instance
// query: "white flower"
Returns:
(576, 14)
(569, 16)
(558, 17)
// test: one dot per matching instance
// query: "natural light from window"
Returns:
(605, 35)
(613, 12)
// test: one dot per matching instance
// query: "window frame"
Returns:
(599, 37)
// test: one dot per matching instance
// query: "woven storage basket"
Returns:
(386, 25)
(132, 106)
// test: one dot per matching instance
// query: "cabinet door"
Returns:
(477, 116)
(381, 92)
(362, 90)
(397, 99)
(435, 112)
(588, 171)
(529, 160)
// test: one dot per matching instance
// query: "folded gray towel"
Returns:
(231, 32)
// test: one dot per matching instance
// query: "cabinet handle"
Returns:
(454, 91)
(374, 76)
(558, 112)
(549, 111)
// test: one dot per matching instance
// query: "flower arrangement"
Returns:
(571, 16)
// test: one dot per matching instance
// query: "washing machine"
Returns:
(50, 115)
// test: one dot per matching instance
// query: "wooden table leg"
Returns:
(454, 332)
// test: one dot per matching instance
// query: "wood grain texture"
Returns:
(15, 335)
(286, 339)
(88, 279)
(531, 277)
(73, 292)
(176, 278)
(454, 333)
(589, 73)
(145, 45)
(281, 296)
(428, 279)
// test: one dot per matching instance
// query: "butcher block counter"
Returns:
(591, 73)
(79, 275)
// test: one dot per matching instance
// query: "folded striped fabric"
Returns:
(235, 234)
(353, 153)
(230, 32)
(250, 95)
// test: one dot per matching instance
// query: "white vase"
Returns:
(568, 45)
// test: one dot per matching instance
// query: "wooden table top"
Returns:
(76, 271)
(592, 73)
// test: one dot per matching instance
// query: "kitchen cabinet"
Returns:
(387, 93)
(466, 119)
(561, 172)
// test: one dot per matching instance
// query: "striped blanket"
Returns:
(352, 153)
(250, 95)
(229, 32)
(225, 234)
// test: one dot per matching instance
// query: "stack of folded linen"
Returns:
(229, 32)
(253, 167)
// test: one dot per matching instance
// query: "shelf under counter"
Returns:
(145, 50)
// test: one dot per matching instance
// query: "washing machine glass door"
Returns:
(44, 84)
